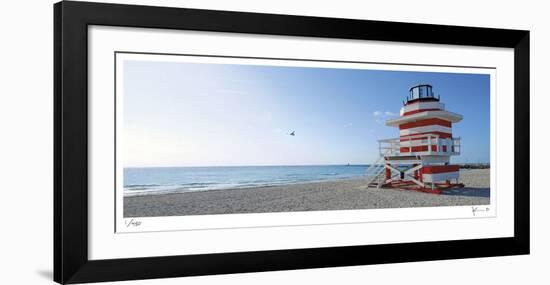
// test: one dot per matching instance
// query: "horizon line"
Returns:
(250, 165)
(271, 165)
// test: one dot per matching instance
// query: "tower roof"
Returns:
(421, 92)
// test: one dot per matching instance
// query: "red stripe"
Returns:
(433, 169)
(417, 148)
(419, 111)
(441, 135)
(426, 122)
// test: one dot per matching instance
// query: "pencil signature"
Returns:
(132, 223)
(477, 209)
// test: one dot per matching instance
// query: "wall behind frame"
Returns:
(26, 144)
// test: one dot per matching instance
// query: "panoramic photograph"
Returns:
(203, 138)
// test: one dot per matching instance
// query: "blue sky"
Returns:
(198, 114)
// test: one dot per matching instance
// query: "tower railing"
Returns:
(422, 144)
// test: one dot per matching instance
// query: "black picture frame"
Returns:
(71, 21)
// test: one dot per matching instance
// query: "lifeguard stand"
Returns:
(420, 158)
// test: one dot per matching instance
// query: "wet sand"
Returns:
(329, 195)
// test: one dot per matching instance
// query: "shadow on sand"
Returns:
(469, 191)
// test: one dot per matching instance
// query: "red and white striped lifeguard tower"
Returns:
(420, 158)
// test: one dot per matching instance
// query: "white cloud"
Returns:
(380, 117)
(384, 114)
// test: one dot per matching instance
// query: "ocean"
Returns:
(163, 180)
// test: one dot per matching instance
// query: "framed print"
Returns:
(195, 142)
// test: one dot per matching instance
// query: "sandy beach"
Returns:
(329, 195)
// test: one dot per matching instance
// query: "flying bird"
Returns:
(292, 133)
